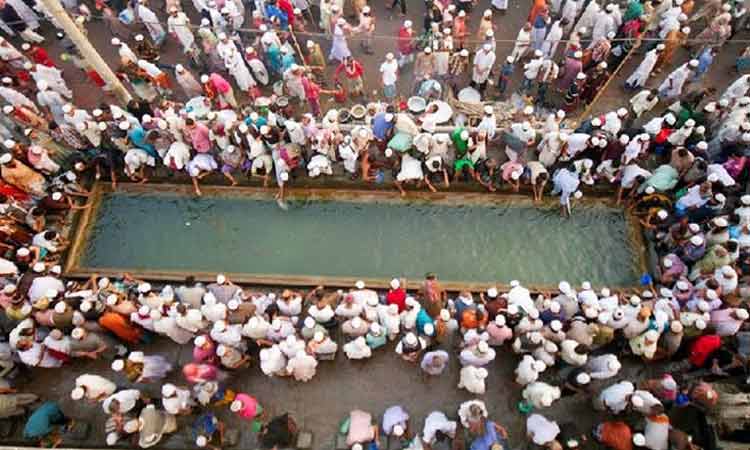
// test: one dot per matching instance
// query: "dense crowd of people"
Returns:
(683, 172)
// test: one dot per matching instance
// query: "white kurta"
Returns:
(641, 74)
(483, 62)
(237, 67)
(14, 97)
(151, 21)
(180, 26)
(53, 77)
(672, 86)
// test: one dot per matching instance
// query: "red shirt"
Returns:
(404, 41)
(397, 297)
(702, 348)
(355, 72)
(287, 7)
(663, 135)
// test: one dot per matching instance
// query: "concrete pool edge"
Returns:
(84, 221)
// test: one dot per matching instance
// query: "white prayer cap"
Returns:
(139, 37)
(682, 17)
(168, 390)
(136, 357)
(77, 393)
(670, 119)
(538, 53)
(118, 365)
(713, 178)
(686, 30)
(660, 47)
(144, 287)
(115, 41)
(201, 441)
(357, 446)
(683, 285)
(221, 279)
(464, 135)
(445, 315)
(233, 304)
(221, 350)
(67, 108)
(610, 7)
(693, 63)
(555, 325)
(726, 7)
(7, 109)
(578, 54)
(483, 347)
(676, 327)
(610, 35)
(38, 267)
(741, 314)
(487, 13)
(583, 378)
(464, 52)
(220, 325)
(365, 10)
(462, 13)
(720, 222)
(204, 78)
(411, 339)
(703, 306)
(662, 214)
(639, 439)
(539, 365)
(124, 125)
(492, 292)
(205, 22)
(236, 406)
(112, 438)
(564, 287)
(395, 283)
(700, 324)
(429, 329)
(696, 240)
(650, 190)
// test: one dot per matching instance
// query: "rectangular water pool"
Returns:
(161, 231)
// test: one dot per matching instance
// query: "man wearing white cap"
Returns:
(340, 47)
(389, 75)
(645, 68)
(13, 97)
(178, 25)
(738, 88)
(187, 81)
(523, 42)
(151, 21)
(302, 366)
(673, 85)
(93, 387)
(52, 76)
(483, 62)
(642, 102)
(552, 40)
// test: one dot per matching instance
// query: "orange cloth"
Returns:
(536, 8)
(120, 327)
(616, 435)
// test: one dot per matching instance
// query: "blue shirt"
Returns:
(272, 11)
(423, 319)
(42, 421)
(380, 126)
(137, 136)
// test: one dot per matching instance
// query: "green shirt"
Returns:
(460, 144)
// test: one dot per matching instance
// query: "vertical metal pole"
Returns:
(89, 53)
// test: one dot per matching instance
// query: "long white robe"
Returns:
(483, 62)
(604, 24)
(677, 79)
(737, 89)
(27, 14)
(53, 101)
(294, 84)
(180, 26)
(570, 11)
(523, 41)
(549, 47)
(237, 67)
(151, 21)
(589, 15)
(641, 74)
(52, 76)
(14, 97)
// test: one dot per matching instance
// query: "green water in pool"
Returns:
(471, 243)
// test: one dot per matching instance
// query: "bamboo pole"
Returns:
(89, 53)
